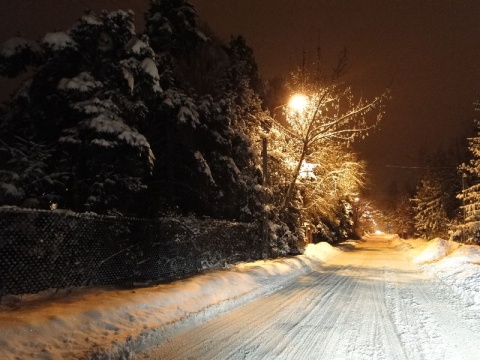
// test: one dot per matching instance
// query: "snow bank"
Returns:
(321, 251)
(434, 251)
(456, 265)
(461, 272)
(115, 323)
(464, 254)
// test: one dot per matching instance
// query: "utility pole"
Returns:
(265, 198)
(464, 177)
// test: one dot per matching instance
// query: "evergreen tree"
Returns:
(470, 194)
(173, 27)
(204, 144)
(403, 219)
(442, 165)
(237, 162)
(182, 179)
(429, 207)
(85, 98)
(25, 179)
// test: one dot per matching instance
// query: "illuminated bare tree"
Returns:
(335, 173)
(325, 112)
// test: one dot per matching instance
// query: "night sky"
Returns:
(428, 51)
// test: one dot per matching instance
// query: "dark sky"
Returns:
(427, 49)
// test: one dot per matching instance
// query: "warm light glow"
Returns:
(307, 171)
(356, 199)
(378, 232)
(298, 102)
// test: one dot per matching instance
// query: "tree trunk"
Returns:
(291, 186)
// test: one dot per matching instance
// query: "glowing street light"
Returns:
(298, 102)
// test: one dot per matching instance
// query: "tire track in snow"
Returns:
(432, 323)
(415, 328)
(329, 311)
(279, 310)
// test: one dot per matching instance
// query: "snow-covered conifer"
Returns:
(25, 177)
(237, 123)
(470, 195)
(172, 26)
(429, 207)
(87, 98)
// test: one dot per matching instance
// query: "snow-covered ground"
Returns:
(361, 300)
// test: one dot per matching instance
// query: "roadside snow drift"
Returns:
(321, 251)
(70, 324)
(456, 265)
(435, 250)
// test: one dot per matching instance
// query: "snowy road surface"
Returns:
(370, 302)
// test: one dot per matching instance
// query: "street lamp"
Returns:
(464, 178)
(356, 215)
(298, 102)
(300, 112)
(295, 111)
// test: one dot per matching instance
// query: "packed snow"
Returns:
(115, 323)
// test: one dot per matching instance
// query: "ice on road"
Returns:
(369, 302)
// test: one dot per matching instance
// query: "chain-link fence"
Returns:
(41, 250)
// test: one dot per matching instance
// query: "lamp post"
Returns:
(265, 184)
(464, 178)
(297, 104)
(296, 108)
(355, 214)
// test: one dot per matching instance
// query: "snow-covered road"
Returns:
(369, 302)
(383, 298)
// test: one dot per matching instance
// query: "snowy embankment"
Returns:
(456, 265)
(114, 323)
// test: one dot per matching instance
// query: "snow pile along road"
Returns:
(115, 322)
(321, 251)
(435, 250)
(456, 265)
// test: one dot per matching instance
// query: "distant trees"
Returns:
(432, 207)
(403, 217)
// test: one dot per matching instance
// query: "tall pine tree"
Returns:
(85, 98)
(429, 207)
(471, 192)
